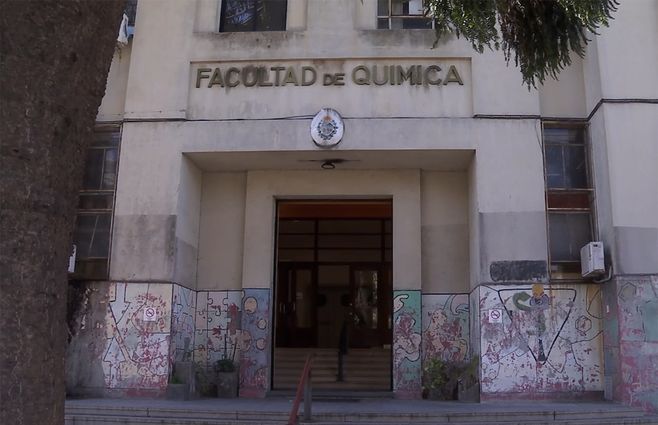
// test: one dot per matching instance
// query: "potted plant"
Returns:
(227, 378)
(176, 388)
(435, 379)
(468, 382)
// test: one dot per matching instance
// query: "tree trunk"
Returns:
(54, 60)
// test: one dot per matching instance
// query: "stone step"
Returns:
(202, 412)
(282, 419)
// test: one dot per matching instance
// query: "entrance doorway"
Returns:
(333, 293)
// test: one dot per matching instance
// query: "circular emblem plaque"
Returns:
(327, 128)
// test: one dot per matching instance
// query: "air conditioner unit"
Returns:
(592, 262)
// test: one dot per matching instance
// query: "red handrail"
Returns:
(303, 381)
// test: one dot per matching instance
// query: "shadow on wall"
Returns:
(120, 342)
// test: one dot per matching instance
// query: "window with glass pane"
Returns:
(96, 203)
(569, 196)
(253, 15)
(402, 14)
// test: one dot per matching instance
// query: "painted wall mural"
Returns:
(137, 332)
(406, 344)
(255, 353)
(541, 338)
(218, 325)
(183, 316)
(638, 340)
(445, 325)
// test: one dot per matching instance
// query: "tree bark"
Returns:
(54, 60)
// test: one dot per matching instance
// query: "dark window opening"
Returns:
(253, 15)
(569, 197)
(96, 204)
(402, 14)
(131, 11)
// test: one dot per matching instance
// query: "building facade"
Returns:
(434, 208)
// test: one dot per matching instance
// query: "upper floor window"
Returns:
(253, 15)
(131, 13)
(569, 197)
(96, 204)
(402, 14)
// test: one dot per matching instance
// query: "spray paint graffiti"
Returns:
(217, 333)
(549, 340)
(406, 344)
(183, 312)
(638, 341)
(254, 367)
(136, 352)
(446, 327)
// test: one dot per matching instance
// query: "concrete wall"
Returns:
(510, 204)
(444, 232)
(563, 97)
(115, 350)
(632, 147)
(113, 104)
(263, 187)
(221, 231)
(537, 341)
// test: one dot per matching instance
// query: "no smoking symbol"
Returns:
(150, 314)
(495, 316)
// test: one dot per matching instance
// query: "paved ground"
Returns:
(346, 407)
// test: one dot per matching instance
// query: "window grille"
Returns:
(569, 197)
(96, 204)
(402, 14)
(253, 15)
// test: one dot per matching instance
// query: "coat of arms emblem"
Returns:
(327, 128)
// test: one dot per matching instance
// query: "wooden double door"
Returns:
(316, 306)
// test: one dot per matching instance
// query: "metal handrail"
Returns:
(304, 387)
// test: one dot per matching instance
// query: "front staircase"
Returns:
(364, 369)
(274, 411)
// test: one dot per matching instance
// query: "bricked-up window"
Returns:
(96, 204)
(402, 14)
(253, 15)
(569, 197)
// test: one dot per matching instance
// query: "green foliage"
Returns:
(440, 379)
(436, 374)
(225, 365)
(539, 34)
(469, 373)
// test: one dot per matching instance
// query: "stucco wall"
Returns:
(264, 186)
(632, 146)
(631, 340)
(221, 231)
(114, 100)
(537, 340)
(510, 203)
(114, 350)
(444, 232)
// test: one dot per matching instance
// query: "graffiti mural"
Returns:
(183, 312)
(406, 344)
(217, 332)
(638, 324)
(137, 332)
(541, 339)
(254, 367)
(446, 327)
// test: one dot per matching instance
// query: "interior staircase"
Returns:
(367, 369)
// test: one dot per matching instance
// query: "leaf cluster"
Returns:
(538, 34)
